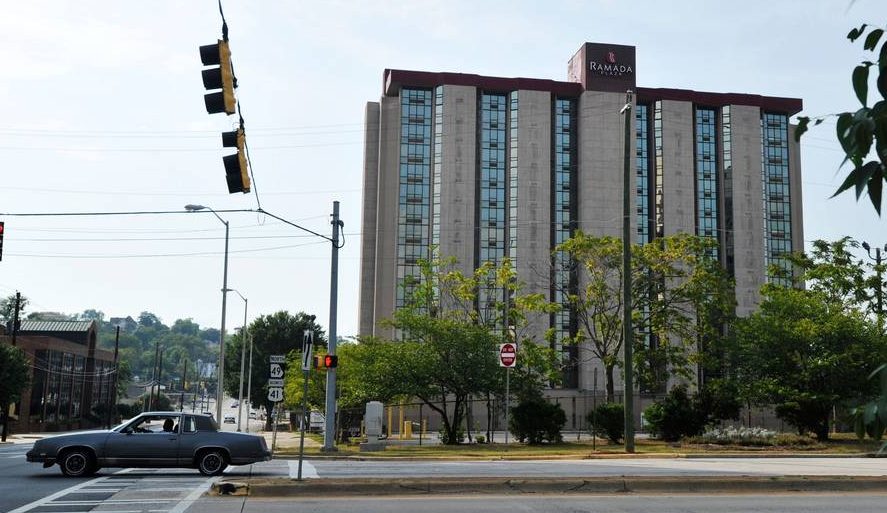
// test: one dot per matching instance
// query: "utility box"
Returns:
(373, 423)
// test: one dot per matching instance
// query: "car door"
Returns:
(189, 440)
(128, 448)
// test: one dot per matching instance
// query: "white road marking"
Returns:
(46, 500)
(308, 470)
(193, 496)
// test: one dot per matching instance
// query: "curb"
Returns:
(557, 486)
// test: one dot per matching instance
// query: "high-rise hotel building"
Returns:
(485, 168)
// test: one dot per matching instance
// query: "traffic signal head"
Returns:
(326, 361)
(236, 169)
(220, 77)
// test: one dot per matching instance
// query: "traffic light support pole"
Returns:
(304, 421)
(329, 435)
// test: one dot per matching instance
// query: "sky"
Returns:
(102, 111)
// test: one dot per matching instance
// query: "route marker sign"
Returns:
(275, 377)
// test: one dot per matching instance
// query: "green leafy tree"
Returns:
(804, 355)
(680, 295)
(277, 333)
(7, 308)
(14, 379)
(858, 131)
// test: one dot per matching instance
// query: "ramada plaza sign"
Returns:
(603, 67)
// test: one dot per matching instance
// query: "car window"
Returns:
(155, 424)
(205, 424)
(190, 425)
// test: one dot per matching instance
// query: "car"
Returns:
(252, 414)
(229, 419)
(235, 404)
(151, 440)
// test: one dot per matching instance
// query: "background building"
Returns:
(72, 380)
(487, 167)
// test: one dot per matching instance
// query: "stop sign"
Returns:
(507, 355)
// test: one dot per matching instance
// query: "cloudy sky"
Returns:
(102, 111)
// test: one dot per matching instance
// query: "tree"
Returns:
(278, 333)
(857, 131)
(679, 296)
(805, 355)
(14, 366)
(7, 308)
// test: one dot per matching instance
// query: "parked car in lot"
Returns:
(229, 419)
(153, 439)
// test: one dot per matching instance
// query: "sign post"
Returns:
(507, 359)
(307, 345)
(275, 391)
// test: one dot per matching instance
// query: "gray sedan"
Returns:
(153, 439)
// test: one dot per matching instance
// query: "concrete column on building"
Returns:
(748, 207)
(679, 174)
(459, 175)
(534, 199)
(387, 210)
(368, 219)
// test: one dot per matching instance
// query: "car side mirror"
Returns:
(127, 431)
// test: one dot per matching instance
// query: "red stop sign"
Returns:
(507, 355)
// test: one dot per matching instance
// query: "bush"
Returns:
(608, 421)
(445, 437)
(537, 420)
(675, 416)
(730, 435)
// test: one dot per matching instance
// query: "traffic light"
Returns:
(326, 361)
(220, 77)
(236, 169)
(1, 239)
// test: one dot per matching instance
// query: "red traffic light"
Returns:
(330, 361)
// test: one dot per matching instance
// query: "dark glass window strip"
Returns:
(414, 198)
(658, 180)
(492, 190)
(777, 196)
(727, 156)
(512, 178)
(563, 215)
(707, 200)
(643, 173)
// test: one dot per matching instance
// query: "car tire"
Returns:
(77, 463)
(211, 463)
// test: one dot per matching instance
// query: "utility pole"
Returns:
(879, 292)
(154, 379)
(15, 323)
(159, 377)
(627, 332)
(112, 394)
(329, 435)
(184, 377)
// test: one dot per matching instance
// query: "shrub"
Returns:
(753, 436)
(445, 437)
(608, 421)
(537, 420)
(675, 416)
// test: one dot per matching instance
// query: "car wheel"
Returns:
(211, 463)
(77, 463)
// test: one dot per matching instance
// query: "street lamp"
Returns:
(242, 359)
(878, 291)
(221, 373)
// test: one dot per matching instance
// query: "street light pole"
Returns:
(627, 334)
(249, 382)
(879, 289)
(221, 372)
(242, 360)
